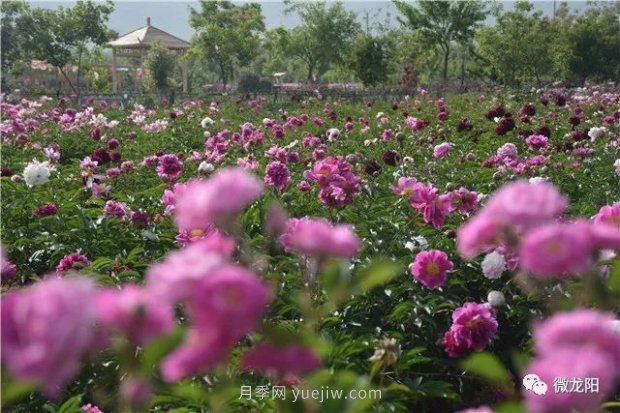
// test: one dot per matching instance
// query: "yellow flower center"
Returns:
(196, 233)
(433, 269)
(554, 247)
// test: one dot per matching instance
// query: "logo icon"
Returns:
(532, 382)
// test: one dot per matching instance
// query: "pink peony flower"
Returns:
(556, 250)
(170, 197)
(516, 206)
(46, 330)
(609, 214)
(431, 268)
(90, 408)
(473, 327)
(338, 184)
(201, 349)
(115, 209)
(277, 175)
(442, 150)
(464, 200)
(281, 360)
(318, 238)
(508, 151)
(169, 167)
(73, 261)
(216, 199)
(434, 207)
(536, 141)
(136, 312)
(570, 363)
(46, 210)
(176, 276)
(576, 329)
(8, 270)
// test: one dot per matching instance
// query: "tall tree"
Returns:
(370, 62)
(517, 47)
(56, 36)
(11, 47)
(325, 36)
(439, 23)
(227, 34)
(159, 64)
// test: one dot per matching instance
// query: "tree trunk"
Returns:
(62, 72)
(446, 57)
(310, 72)
(79, 71)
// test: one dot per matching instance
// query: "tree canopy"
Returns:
(227, 34)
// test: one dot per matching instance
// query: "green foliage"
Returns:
(252, 82)
(227, 34)
(440, 23)
(370, 61)
(56, 35)
(159, 64)
(325, 36)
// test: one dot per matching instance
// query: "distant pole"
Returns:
(554, 9)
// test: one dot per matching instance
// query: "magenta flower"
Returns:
(556, 250)
(229, 293)
(8, 270)
(169, 167)
(115, 209)
(73, 261)
(434, 207)
(176, 276)
(202, 348)
(277, 175)
(442, 150)
(136, 312)
(583, 362)
(536, 141)
(318, 238)
(473, 327)
(46, 210)
(170, 197)
(46, 330)
(464, 200)
(431, 268)
(609, 214)
(576, 329)
(338, 184)
(281, 360)
(515, 206)
(216, 199)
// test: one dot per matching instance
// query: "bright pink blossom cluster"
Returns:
(473, 327)
(582, 343)
(337, 182)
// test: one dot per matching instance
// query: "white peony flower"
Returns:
(37, 173)
(206, 122)
(496, 299)
(332, 134)
(594, 133)
(206, 167)
(617, 166)
(538, 180)
(417, 243)
(493, 265)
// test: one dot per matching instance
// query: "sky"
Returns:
(172, 16)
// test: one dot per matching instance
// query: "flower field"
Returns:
(435, 253)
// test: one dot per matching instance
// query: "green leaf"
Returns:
(73, 405)
(488, 366)
(378, 272)
(155, 351)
